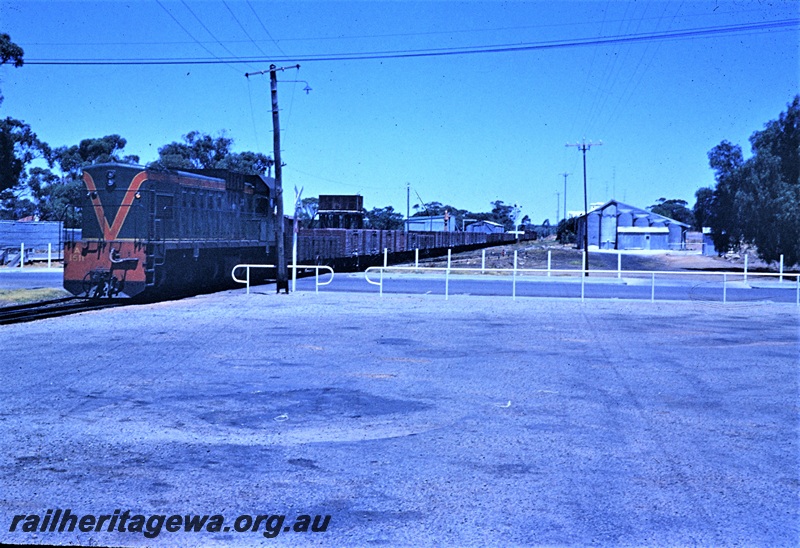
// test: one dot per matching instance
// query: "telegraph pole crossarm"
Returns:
(583, 146)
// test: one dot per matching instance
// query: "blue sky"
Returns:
(465, 128)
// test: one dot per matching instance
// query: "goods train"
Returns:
(152, 232)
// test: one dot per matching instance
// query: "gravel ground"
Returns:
(409, 420)
(534, 255)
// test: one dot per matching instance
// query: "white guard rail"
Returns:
(515, 272)
(316, 268)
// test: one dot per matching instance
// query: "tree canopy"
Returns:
(500, 213)
(307, 211)
(756, 201)
(202, 151)
(674, 209)
(384, 218)
(9, 51)
(19, 146)
(100, 150)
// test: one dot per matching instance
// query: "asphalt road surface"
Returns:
(31, 278)
(688, 288)
(700, 288)
(409, 420)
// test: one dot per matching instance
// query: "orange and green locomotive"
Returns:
(150, 231)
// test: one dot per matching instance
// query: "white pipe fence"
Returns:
(29, 253)
(315, 267)
(515, 273)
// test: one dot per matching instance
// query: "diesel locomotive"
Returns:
(167, 232)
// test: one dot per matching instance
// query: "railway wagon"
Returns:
(356, 249)
(167, 232)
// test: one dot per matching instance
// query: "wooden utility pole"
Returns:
(282, 278)
(565, 194)
(408, 206)
(558, 204)
(282, 281)
(583, 147)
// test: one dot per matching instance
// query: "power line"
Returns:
(263, 26)
(244, 30)
(570, 24)
(206, 28)
(441, 52)
(218, 59)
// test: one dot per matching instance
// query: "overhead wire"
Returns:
(263, 26)
(571, 24)
(175, 19)
(441, 52)
(578, 111)
(611, 77)
(638, 76)
(211, 34)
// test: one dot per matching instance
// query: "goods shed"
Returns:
(485, 227)
(431, 223)
(615, 225)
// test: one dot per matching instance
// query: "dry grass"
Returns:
(9, 297)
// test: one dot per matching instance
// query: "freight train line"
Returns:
(53, 309)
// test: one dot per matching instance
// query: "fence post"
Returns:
(548, 262)
(780, 279)
(583, 285)
(294, 261)
(483, 261)
(514, 278)
(21, 255)
(416, 257)
(49, 254)
(619, 265)
(247, 278)
(385, 257)
(745, 266)
(724, 288)
(653, 287)
(447, 277)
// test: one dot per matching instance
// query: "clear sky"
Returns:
(659, 83)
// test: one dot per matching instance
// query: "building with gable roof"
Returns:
(615, 225)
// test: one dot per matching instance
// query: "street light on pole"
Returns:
(583, 146)
(282, 281)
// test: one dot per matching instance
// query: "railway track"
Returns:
(54, 308)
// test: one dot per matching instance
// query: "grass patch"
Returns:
(10, 297)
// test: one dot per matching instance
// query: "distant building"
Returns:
(337, 211)
(34, 234)
(432, 223)
(709, 249)
(485, 227)
(615, 225)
